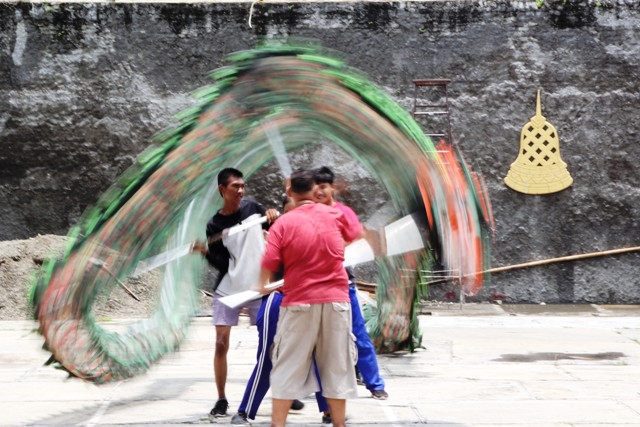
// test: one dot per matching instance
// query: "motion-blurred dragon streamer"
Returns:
(163, 201)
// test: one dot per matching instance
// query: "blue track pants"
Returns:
(259, 383)
(367, 361)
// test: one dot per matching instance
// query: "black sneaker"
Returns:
(380, 394)
(359, 379)
(240, 419)
(326, 418)
(219, 409)
(296, 405)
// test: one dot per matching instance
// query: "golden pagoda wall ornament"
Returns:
(538, 168)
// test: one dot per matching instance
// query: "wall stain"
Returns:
(68, 23)
(128, 15)
(7, 17)
(445, 18)
(183, 16)
(375, 16)
(572, 14)
(278, 16)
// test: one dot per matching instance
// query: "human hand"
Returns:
(200, 246)
(272, 215)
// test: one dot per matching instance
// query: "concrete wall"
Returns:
(85, 86)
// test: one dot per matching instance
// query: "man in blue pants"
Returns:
(367, 362)
(258, 385)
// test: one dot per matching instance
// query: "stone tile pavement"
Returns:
(483, 365)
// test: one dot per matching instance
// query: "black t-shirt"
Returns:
(218, 255)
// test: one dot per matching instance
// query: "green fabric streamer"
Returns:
(165, 198)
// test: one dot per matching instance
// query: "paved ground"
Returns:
(484, 365)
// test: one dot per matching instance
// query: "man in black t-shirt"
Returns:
(232, 257)
(217, 253)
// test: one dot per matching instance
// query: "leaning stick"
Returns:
(546, 261)
(103, 265)
(129, 291)
(206, 293)
(561, 259)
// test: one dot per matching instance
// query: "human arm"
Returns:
(264, 279)
(271, 261)
(372, 237)
(350, 226)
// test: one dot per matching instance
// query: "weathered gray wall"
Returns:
(84, 88)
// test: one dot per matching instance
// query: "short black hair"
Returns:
(302, 181)
(324, 174)
(226, 173)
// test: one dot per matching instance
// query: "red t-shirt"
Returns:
(309, 243)
(351, 216)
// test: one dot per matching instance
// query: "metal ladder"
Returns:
(434, 109)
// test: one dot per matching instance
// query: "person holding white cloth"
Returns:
(237, 259)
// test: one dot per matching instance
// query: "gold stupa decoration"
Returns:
(538, 168)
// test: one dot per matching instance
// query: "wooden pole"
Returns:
(371, 287)
(562, 259)
(547, 261)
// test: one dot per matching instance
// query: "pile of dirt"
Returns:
(21, 259)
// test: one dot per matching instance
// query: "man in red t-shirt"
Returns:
(315, 315)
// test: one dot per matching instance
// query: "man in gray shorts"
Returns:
(315, 315)
(237, 259)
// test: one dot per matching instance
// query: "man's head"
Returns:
(302, 186)
(324, 177)
(231, 186)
